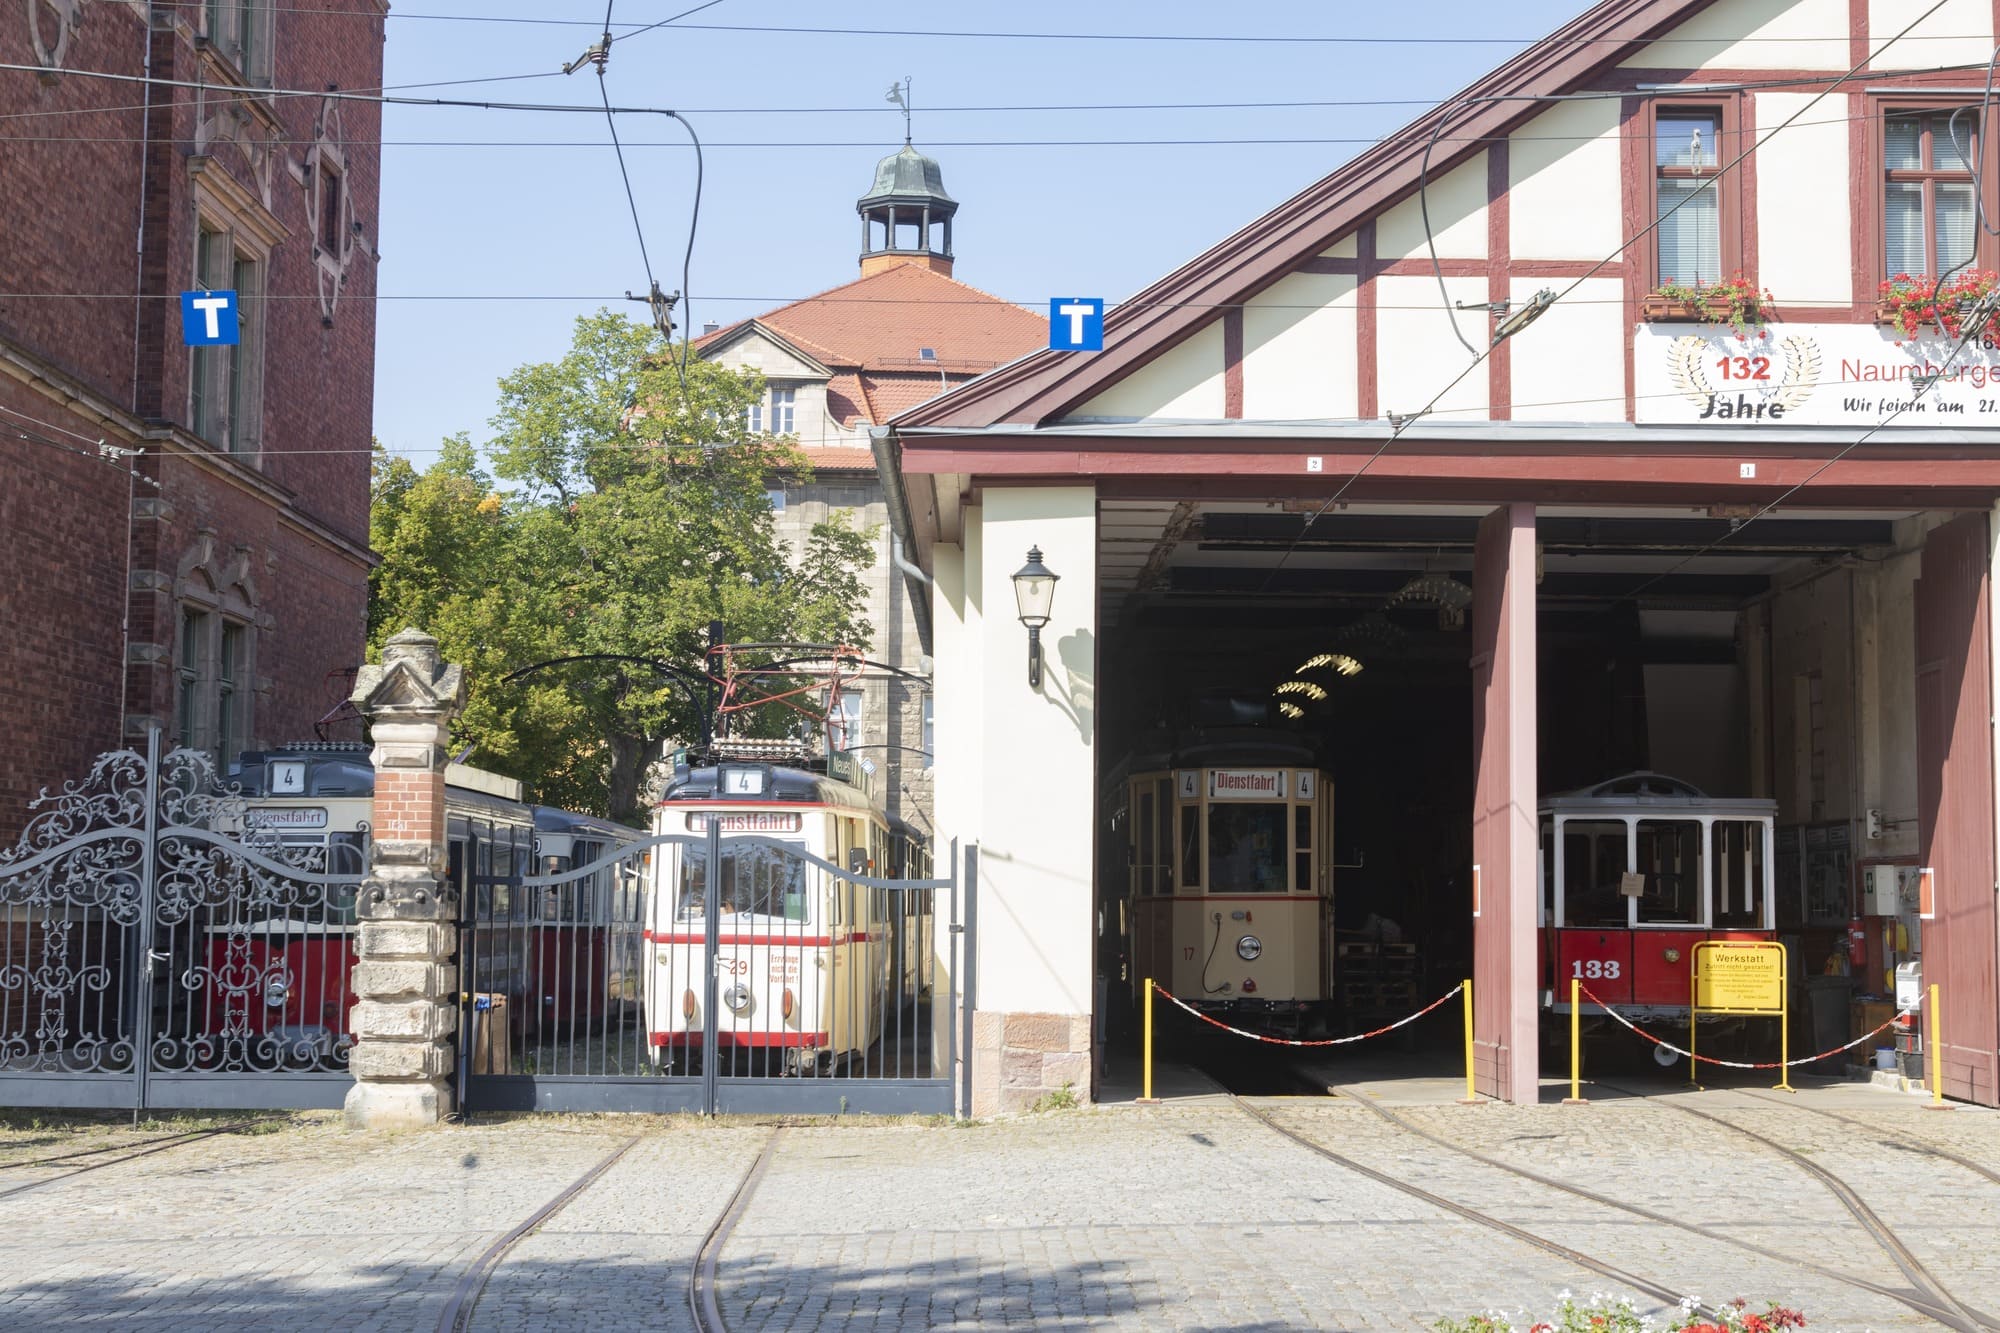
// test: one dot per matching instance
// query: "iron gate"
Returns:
(158, 950)
(781, 983)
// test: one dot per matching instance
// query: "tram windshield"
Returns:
(756, 880)
(1246, 848)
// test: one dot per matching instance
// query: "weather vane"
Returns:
(899, 94)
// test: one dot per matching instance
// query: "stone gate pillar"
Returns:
(405, 981)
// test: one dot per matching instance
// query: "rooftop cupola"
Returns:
(906, 216)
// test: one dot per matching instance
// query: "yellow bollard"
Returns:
(1575, 1097)
(1471, 1097)
(1934, 1057)
(1146, 1097)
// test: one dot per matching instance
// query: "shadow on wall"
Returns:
(1075, 690)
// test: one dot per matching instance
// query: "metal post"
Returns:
(1784, 1029)
(1934, 1055)
(711, 912)
(1694, 1065)
(968, 995)
(142, 1019)
(1471, 1097)
(952, 936)
(1146, 1097)
(1575, 1097)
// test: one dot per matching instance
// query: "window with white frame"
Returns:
(240, 32)
(213, 708)
(224, 394)
(753, 417)
(783, 402)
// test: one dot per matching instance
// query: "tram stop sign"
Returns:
(1739, 977)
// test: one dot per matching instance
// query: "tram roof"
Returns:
(554, 819)
(780, 784)
(1648, 792)
(343, 768)
(1222, 747)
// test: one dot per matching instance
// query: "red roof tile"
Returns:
(839, 457)
(881, 321)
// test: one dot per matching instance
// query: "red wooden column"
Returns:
(1961, 951)
(1503, 806)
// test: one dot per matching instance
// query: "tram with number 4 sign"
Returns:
(1635, 872)
(813, 969)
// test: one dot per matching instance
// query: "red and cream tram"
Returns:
(585, 965)
(808, 963)
(1227, 843)
(1635, 872)
(300, 951)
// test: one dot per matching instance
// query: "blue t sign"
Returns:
(1076, 324)
(208, 319)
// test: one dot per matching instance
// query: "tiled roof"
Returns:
(892, 393)
(844, 400)
(880, 323)
(839, 457)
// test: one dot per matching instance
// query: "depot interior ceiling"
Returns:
(1187, 563)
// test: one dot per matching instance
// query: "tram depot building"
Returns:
(1622, 535)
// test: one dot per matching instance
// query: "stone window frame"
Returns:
(240, 34)
(224, 208)
(330, 212)
(216, 626)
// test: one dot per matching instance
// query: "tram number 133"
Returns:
(1595, 969)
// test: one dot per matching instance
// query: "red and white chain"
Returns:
(1745, 1064)
(1287, 1041)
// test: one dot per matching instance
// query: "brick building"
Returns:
(848, 359)
(185, 532)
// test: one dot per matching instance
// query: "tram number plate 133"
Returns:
(1595, 969)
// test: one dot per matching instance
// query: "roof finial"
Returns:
(899, 94)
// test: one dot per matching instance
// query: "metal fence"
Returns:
(712, 974)
(156, 950)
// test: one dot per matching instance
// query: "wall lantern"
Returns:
(1034, 595)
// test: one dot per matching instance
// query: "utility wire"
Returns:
(1399, 424)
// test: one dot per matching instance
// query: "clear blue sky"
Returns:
(777, 222)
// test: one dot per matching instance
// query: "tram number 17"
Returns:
(1595, 969)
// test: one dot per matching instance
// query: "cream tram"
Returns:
(1635, 872)
(807, 966)
(1227, 842)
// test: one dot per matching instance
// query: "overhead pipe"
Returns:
(889, 470)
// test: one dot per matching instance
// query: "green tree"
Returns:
(622, 515)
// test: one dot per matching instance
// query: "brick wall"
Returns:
(78, 353)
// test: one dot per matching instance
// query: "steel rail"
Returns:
(457, 1314)
(1928, 1309)
(703, 1305)
(1603, 1269)
(147, 1150)
(1884, 1237)
(1909, 1140)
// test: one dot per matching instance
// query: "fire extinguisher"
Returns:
(1857, 943)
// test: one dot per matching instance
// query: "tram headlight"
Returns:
(1248, 948)
(737, 997)
(275, 991)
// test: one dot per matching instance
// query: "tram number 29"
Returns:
(1595, 969)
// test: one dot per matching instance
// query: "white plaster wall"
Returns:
(1183, 382)
(1569, 365)
(1563, 173)
(1959, 34)
(1037, 813)
(1298, 349)
(1759, 34)
(1803, 166)
(1344, 248)
(1458, 215)
(1417, 355)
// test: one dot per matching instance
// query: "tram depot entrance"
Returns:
(1827, 663)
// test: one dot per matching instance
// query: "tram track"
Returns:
(704, 1305)
(1887, 1136)
(146, 1148)
(457, 1314)
(1942, 1313)
(1657, 1290)
(1927, 1286)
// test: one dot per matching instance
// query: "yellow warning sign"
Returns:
(1739, 977)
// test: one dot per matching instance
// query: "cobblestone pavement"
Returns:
(1190, 1215)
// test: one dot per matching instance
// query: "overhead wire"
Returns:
(1398, 424)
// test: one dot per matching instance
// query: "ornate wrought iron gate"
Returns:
(779, 983)
(157, 950)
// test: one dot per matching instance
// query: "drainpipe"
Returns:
(889, 470)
